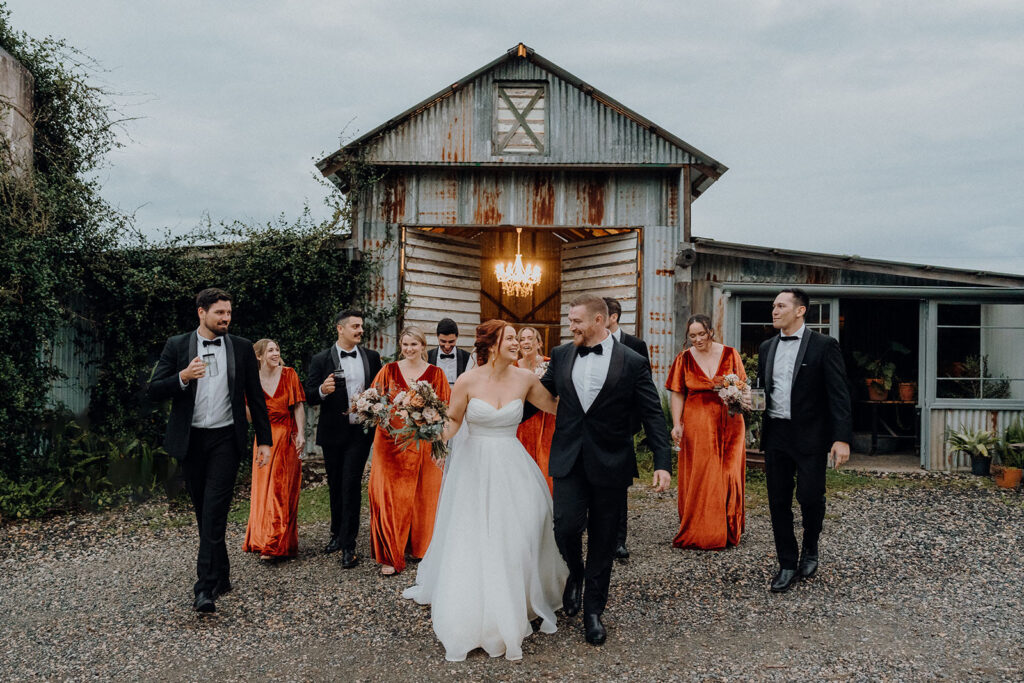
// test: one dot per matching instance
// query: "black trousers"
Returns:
(620, 536)
(345, 463)
(582, 506)
(209, 470)
(781, 464)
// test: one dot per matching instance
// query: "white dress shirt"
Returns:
(782, 371)
(449, 366)
(589, 372)
(213, 402)
(617, 334)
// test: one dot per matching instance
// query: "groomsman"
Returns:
(807, 422)
(209, 375)
(638, 345)
(337, 374)
(451, 359)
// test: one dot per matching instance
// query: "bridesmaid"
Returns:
(712, 445)
(536, 432)
(273, 527)
(404, 481)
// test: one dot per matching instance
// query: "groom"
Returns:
(600, 384)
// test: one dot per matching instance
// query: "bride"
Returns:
(492, 565)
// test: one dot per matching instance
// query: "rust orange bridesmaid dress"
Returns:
(273, 507)
(404, 481)
(712, 456)
(535, 434)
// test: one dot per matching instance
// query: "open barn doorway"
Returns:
(449, 271)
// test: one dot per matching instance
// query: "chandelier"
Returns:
(515, 278)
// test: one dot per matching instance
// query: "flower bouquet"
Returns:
(731, 389)
(423, 415)
(542, 367)
(371, 409)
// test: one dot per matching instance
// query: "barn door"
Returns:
(441, 276)
(606, 266)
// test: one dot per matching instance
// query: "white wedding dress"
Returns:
(492, 565)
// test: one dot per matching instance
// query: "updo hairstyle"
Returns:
(488, 334)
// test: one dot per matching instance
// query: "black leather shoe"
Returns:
(593, 629)
(349, 559)
(622, 552)
(572, 598)
(808, 565)
(204, 603)
(784, 580)
(333, 546)
(220, 589)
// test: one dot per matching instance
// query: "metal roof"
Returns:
(704, 169)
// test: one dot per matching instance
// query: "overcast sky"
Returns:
(883, 129)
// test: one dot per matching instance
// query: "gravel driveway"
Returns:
(921, 577)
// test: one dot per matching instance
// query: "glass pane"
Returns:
(959, 314)
(756, 311)
(957, 388)
(751, 337)
(959, 352)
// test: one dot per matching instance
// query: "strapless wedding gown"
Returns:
(492, 565)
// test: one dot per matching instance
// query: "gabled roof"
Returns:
(633, 140)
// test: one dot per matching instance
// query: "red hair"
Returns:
(488, 334)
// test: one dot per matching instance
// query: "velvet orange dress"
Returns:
(535, 434)
(404, 481)
(273, 507)
(712, 456)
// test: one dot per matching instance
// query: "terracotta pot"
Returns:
(907, 391)
(876, 390)
(1009, 477)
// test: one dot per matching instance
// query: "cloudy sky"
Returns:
(883, 129)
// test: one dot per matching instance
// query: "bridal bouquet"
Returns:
(731, 389)
(541, 368)
(371, 409)
(423, 415)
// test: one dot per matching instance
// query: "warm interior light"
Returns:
(515, 278)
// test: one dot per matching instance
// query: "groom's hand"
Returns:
(194, 370)
(262, 455)
(840, 453)
(662, 480)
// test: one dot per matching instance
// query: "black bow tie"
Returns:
(582, 351)
(211, 342)
(447, 355)
(347, 354)
(789, 338)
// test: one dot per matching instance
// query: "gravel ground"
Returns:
(921, 578)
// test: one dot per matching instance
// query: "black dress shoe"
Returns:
(333, 546)
(220, 589)
(204, 603)
(572, 598)
(621, 552)
(808, 565)
(784, 580)
(593, 629)
(349, 559)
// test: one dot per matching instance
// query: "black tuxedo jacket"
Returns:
(243, 384)
(637, 344)
(333, 427)
(820, 397)
(603, 435)
(461, 360)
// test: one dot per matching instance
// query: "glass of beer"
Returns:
(757, 399)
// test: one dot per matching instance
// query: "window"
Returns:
(979, 351)
(756, 321)
(520, 118)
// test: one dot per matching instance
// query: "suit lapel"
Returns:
(193, 351)
(461, 358)
(769, 364)
(611, 380)
(229, 355)
(366, 366)
(801, 353)
(570, 387)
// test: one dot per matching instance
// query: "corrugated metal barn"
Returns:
(602, 196)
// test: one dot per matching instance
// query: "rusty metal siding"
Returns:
(581, 130)
(951, 419)
(658, 325)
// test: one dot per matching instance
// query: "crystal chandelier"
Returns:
(515, 278)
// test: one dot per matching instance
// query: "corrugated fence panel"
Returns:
(658, 325)
(442, 279)
(79, 370)
(606, 266)
(952, 419)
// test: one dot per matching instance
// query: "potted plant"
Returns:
(977, 443)
(907, 390)
(879, 371)
(1011, 455)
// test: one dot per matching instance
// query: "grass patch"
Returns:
(314, 506)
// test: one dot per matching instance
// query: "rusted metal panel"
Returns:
(660, 244)
(944, 420)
